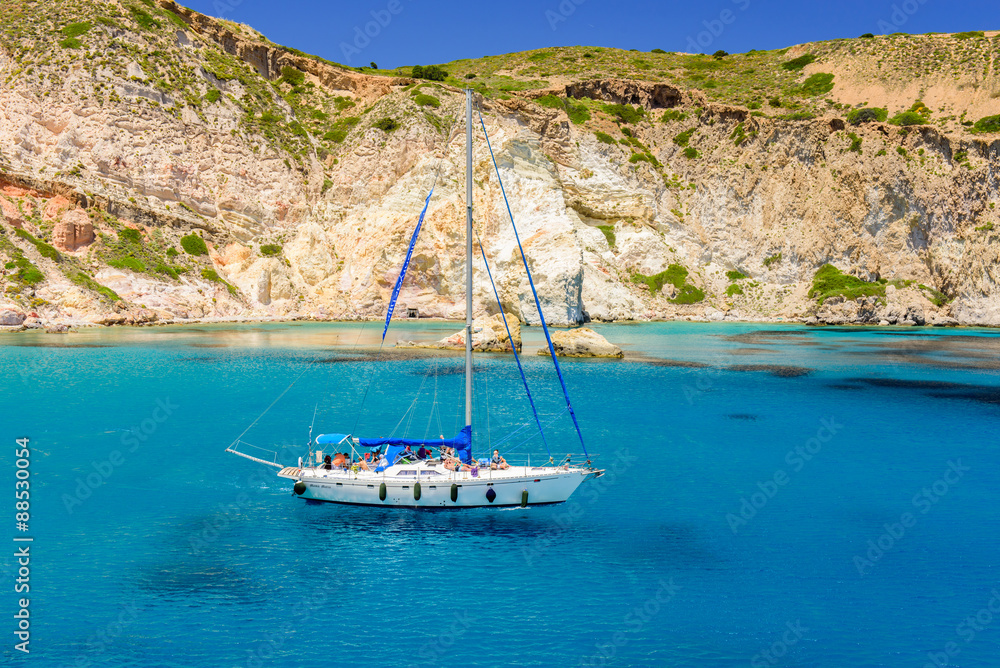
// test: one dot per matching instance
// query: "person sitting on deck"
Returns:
(454, 464)
(339, 460)
(498, 462)
(423, 453)
(326, 463)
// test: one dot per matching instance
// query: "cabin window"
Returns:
(408, 472)
(430, 473)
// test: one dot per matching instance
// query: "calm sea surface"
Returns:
(776, 495)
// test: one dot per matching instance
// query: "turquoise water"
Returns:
(749, 467)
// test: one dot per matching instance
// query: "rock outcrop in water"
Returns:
(582, 342)
(488, 335)
(634, 199)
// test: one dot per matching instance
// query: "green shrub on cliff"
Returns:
(855, 142)
(270, 250)
(76, 29)
(130, 235)
(625, 113)
(675, 275)
(831, 282)
(683, 138)
(144, 20)
(431, 73)
(609, 233)
(194, 245)
(688, 294)
(908, 118)
(386, 124)
(426, 100)
(576, 111)
(605, 138)
(128, 263)
(987, 124)
(798, 63)
(817, 84)
(212, 275)
(867, 115)
(27, 273)
(292, 76)
(84, 280)
(44, 249)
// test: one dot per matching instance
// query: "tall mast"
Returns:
(468, 257)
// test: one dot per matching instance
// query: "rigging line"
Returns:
(510, 338)
(517, 431)
(547, 424)
(412, 411)
(534, 292)
(430, 413)
(283, 393)
(368, 386)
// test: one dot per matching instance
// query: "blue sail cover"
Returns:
(330, 439)
(462, 443)
(406, 263)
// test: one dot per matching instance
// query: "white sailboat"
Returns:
(443, 473)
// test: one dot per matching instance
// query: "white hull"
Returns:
(548, 484)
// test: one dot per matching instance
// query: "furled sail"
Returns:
(462, 443)
(406, 263)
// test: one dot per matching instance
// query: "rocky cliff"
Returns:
(158, 164)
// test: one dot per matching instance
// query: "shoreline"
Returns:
(66, 326)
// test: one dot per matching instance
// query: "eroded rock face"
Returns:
(582, 342)
(11, 318)
(758, 199)
(12, 216)
(907, 306)
(73, 231)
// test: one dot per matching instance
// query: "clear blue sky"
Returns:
(408, 32)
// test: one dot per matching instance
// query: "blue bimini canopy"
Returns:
(331, 439)
(462, 443)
